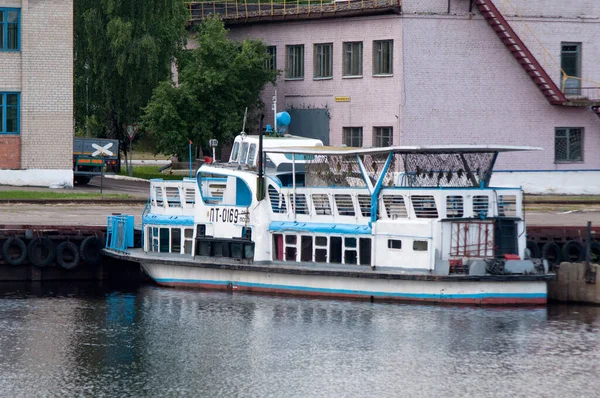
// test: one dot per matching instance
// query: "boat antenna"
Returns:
(260, 183)
(244, 122)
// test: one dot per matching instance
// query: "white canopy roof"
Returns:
(428, 149)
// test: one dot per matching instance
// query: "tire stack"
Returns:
(572, 251)
(44, 252)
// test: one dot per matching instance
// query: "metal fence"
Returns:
(245, 9)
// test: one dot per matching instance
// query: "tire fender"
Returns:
(91, 250)
(551, 251)
(534, 249)
(17, 242)
(573, 251)
(41, 252)
(67, 255)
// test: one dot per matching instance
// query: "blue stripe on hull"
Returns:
(424, 296)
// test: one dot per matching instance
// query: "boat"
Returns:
(400, 223)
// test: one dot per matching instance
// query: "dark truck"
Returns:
(86, 166)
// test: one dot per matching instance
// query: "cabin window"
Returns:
(394, 206)
(350, 255)
(420, 245)
(158, 197)
(235, 152)
(175, 240)
(507, 206)
(394, 244)
(244, 154)
(321, 204)
(290, 248)
(277, 201)
(364, 246)
(320, 249)
(155, 239)
(173, 198)
(252, 154)
(454, 206)
(364, 202)
(424, 206)
(480, 206)
(188, 235)
(306, 250)
(300, 204)
(226, 190)
(164, 240)
(277, 247)
(344, 204)
(335, 249)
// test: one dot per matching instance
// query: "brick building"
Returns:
(36, 92)
(409, 72)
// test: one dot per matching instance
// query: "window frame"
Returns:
(349, 50)
(378, 58)
(568, 131)
(320, 59)
(4, 113)
(351, 131)
(378, 137)
(4, 24)
(288, 61)
(577, 89)
(271, 63)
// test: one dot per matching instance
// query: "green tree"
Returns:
(123, 49)
(219, 79)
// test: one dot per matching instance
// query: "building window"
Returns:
(383, 57)
(294, 62)
(353, 58)
(570, 64)
(323, 67)
(568, 145)
(271, 63)
(353, 136)
(383, 136)
(9, 29)
(9, 113)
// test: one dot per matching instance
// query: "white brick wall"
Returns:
(43, 72)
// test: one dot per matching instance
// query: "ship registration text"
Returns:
(226, 215)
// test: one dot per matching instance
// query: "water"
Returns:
(85, 340)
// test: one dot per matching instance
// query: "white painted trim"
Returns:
(50, 178)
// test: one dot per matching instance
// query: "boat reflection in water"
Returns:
(151, 341)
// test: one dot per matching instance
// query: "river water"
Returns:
(93, 340)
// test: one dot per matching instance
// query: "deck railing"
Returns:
(119, 233)
(245, 9)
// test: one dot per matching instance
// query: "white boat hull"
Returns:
(409, 288)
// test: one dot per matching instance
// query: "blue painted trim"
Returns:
(4, 113)
(545, 171)
(5, 24)
(160, 219)
(476, 296)
(377, 188)
(320, 228)
(451, 188)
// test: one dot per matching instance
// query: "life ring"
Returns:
(41, 252)
(551, 252)
(534, 249)
(91, 250)
(67, 255)
(19, 245)
(573, 251)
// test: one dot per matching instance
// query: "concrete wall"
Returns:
(571, 285)
(43, 73)
(374, 101)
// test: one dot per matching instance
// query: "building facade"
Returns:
(36, 92)
(508, 72)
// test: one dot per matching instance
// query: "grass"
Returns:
(149, 172)
(45, 195)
